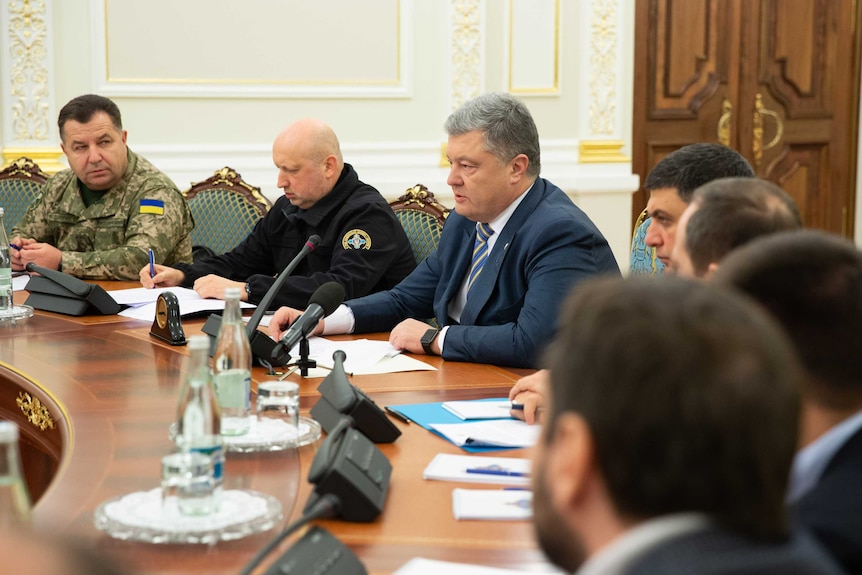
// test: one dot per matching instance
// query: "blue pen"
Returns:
(496, 470)
(152, 264)
(15, 247)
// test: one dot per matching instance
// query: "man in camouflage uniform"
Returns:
(99, 219)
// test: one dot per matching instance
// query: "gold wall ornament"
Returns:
(603, 65)
(28, 70)
(47, 158)
(34, 411)
(467, 51)
(601, 152)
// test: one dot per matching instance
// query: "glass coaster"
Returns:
(267, 435)
(141, 516)
(9, 317)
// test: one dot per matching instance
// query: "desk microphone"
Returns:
(322, 302)
(262, 347)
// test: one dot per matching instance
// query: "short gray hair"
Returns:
(507, 126)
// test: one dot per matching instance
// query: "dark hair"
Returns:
(507, 126)
(82, 108)
(811, 282)
(690, 393)
(688, 168)
(733, 211)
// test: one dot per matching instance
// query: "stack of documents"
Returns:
(490, 433)
(479, 469)
(489, 409)
(494, 505)
(141, 302)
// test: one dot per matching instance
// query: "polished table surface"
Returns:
(116, 387)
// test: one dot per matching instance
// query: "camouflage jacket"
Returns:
(111, 238)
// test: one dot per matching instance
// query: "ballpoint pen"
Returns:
(15, 247)
(152, 264)
(497, 470)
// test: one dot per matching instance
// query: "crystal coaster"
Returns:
(141, 516)
(268, 435)
(11, 315)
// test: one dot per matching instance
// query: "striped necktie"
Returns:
(480, 253)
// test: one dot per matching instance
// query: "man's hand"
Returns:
(530, 391)
(284, 316)
(213, 286)
(44, 255)
(407, 335)
(165, 277)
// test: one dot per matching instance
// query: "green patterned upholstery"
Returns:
(20, 183)
(225, 209)
(643, 260)
(422, 219)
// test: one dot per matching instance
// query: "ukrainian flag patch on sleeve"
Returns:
(152, 207)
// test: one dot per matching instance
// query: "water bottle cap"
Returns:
(231, 293)
(8, 430)
(199, 342)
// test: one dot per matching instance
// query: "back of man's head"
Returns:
(811, 282)
(694, 165)
(507, 126)
(82, 109)
(690, 393)
(731, 212)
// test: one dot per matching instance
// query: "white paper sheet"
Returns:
(490, 432)
(479, 409)
(449, 467)
(492, 504)
(421, 566)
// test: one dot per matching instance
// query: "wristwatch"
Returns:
(427, 339)
(248, 291)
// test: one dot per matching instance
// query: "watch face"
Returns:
(161, 312)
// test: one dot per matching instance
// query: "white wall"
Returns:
(215, 85)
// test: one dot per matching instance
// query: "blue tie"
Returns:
(480, 253)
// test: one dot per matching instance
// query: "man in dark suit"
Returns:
(673, 421)
(508, 255)
(811, 282)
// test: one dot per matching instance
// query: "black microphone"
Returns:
(262, 347)
(323, 302)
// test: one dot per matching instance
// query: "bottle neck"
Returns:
(10, 467)
(232, 313)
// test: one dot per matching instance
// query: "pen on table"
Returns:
(152, 264)
(520, 407)
(15, 247)
(397, 415)
(503, 472)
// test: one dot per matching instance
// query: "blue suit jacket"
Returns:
(547, 246)
(832, 511)
(718, 552)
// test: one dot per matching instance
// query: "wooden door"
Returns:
(776, 80)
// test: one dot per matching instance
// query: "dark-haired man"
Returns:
(726, 214)
(811, 282)
(670, 457)
(672, 182)
(99, 218)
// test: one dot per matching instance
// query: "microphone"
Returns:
(262, 347)
(339, 397)
(323, 302)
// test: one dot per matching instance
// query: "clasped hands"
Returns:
(31, 251)
(209, 286)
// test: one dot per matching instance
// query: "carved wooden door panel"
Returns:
(776, 80)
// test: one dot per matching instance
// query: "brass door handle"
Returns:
(724, 123)
(757, 132)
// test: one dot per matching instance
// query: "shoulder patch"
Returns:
(152, 207)
(356, 240)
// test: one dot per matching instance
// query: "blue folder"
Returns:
(424, 414)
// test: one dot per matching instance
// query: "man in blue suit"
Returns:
(513, 248)
(674, 410)
(811, 282)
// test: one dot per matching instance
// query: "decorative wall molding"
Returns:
(26, 64)
(237, 86)
(467, 48)
(533, 47)
(604, 29)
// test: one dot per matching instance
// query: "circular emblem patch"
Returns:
(356, 240)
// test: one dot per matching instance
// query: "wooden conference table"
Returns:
(111, 390)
